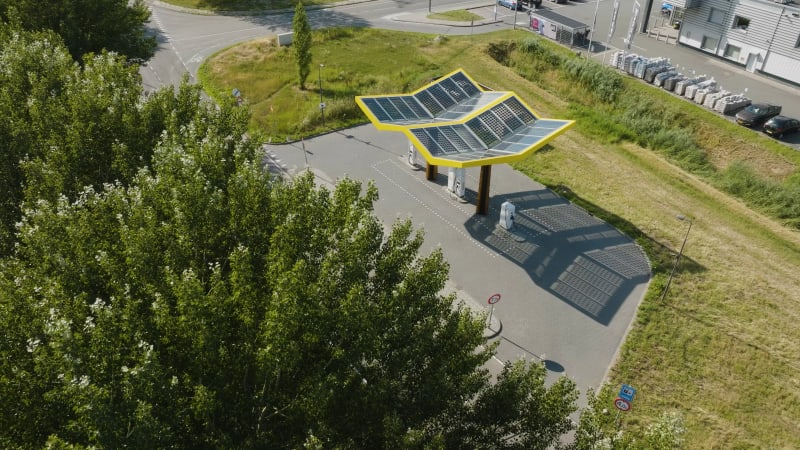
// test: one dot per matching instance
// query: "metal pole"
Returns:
(491, 311)
(594, 25)
(677, 258)
(305, 153)
(429, 5)
(646, 18)
(516, 8)
(321, 102)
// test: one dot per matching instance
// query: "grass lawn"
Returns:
(458, 15)
(723, 349)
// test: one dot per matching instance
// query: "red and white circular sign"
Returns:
(622, 404)
(494, 299)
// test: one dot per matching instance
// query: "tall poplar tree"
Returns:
(301, 42)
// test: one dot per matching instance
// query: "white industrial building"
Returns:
(761, 35)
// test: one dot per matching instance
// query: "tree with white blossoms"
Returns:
(66, 126)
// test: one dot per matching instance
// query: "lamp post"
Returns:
(321, 102)
(594, 25)
(680, 253)
(516, 8)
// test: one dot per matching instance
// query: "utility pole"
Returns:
(677, 258)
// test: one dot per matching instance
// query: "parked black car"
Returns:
(780, 125)
(756, 114)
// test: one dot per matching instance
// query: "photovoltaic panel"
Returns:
(465, 84)
(386, 104)
(507, 116)
(472, 142)
(483, 132)
(444, 144)
(377, 109)
(520, 110)
(454, 90)
(441, 95)
(473, 125)
(416, 107)
(453, 137)
(400, 104)
(434, 138)
(455, 113)
(429, 102)
(495, 124)
(423, 138)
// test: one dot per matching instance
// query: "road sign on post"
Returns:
(625, 398)
(492, 300)
(622, 404)
(627, 392)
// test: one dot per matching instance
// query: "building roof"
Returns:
(558, 18)
(454, 122)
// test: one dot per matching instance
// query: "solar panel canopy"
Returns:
(454, 122)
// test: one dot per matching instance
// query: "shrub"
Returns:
(535, 47)
(778, 200)
(603, 83)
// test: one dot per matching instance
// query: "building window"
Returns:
(716, 16)
(732, 52)
(709, 43)
(741, 23)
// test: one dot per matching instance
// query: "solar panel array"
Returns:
(483, 132)
(396, 109)
(448, 139)
(447, 93)
(453, 96)
(504, 127)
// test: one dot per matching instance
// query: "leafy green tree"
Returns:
(88, 26)
(301, 43)
(209, 305)
(33, 68)
(67, 126)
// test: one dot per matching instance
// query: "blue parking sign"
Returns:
(627, 392)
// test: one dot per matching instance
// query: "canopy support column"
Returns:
(484, 182)
(431, 171)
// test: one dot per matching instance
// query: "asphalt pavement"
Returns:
(569, 284)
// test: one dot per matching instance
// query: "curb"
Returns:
(416, 18)
(263, 12)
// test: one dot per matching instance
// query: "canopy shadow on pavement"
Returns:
(566, 251)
